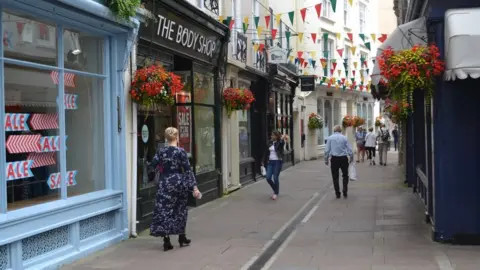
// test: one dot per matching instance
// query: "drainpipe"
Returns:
(133, 177)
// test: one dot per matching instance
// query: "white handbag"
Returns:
(263, 170)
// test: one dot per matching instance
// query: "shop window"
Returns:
(82, 51)
(244, 133)
(204, 88)
(204, 139)
(320, 112)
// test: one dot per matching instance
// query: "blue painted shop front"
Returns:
(61, 97)
(444, 165)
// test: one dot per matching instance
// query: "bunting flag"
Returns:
(299, 54)
(313, 54)
(318, 8)
(324, 62)
(314, 38)
(374, 37)
(367, 44)
(339, 36)
(227, 20)
(259, 30)
(246, 20)
(261, 47)
(350, 2)
(339, 71)
(325, 36)
(353, 49)
(257, 20)
(368, 71)
(350, 36)
(382, 38)
(291, 15)
(331, 71)
(274, 33)
(355, 65)
(314, 64)
(340, 52)
(365, 63)
(267, 21)
(334, 65)
(221, 18)
(362, 37)
(303, 12)
(334, 5)
(345, 64)
(255, 47)
(300, 36)
(305, 64)
(292, 58)
(287, 35)
(278, 19)
(232, 22)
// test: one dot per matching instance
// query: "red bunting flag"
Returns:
(350, 36)
(302, 61)
(331, 71)
(343, 80)
(299, 54)
(334, 64)
(267, 21)
(318, 8)
(340, 52)
(232, 22)
(261, 47)
(274, 33)
(382, 38)
(353, 72)
(303, 12)
(324, 62)
(314, 37)
(305, 64)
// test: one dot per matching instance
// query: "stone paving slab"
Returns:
(226, 233)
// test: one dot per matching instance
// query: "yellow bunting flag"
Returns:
(292, 58)
(355, 65)
(339, 72)
(350, 2)
(245, 20)
(221, 18)
(313, 54)
(353, 49)
(306, 72)
(300, 36)
(339, 36)
(259, 30)
(278, 18)
(255, 47)
(374, 37)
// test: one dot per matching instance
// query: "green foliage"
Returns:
(123, 9)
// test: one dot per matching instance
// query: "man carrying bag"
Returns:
(383, 138)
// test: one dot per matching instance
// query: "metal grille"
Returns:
(97, 225)
(241, 54)
(45, 242)
(211, 5)
(3, 257)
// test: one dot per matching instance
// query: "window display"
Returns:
(244, 134)
(204, 139)
(204, 88)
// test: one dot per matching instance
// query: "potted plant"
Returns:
(378, 121)
(153, 86)
(315, 121)
(357, 121)
(407, 70)
(235, 99)
(347, 121)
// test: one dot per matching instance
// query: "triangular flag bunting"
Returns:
(267, 21)
(374, 37)
(355, 64)
(313, 54)
(350, 36)
(288, 34)
(334, 5)
(314, 64)
(278, 19)
(353, 49)
(291, 58)
(299, 54)
(261, 47)
(221, 18)
(331, 71)
(274, 33)
(303, 12)
(245, 20)
(318, 8)
(227, 21)
(382, 38)
(314, 38)
(334, 65)
(259, 30)
(339, 35)
(232, 22)
(340, 52)
(324, 62)
(300, 36)
(291, 15)
(255, 47)
(368, 71)
(305, 64)
(362, 36)
(350, 2)
(245, 28)
(339, 72)
(367, 44)
(353, 72)
(257, 20)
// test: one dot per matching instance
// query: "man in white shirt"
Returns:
(383, 137)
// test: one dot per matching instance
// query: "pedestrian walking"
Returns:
(273, 158)
(338, 152)
(175, 181)
(360, 139)
(395, 135)
(383, 137)
(370, 145)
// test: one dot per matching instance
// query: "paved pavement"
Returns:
(379, 227)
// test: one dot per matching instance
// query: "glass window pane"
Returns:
(204, 139)
(244, 133)
(204, 88)
(85, 142)
(32, 130)
(83, 51)
(28, 38)
(320, 113)
(184, 125)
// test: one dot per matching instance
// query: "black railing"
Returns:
(261, 61)
(211, 5)
(241, 52)
(423, 191)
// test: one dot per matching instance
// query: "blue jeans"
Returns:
(273, 170)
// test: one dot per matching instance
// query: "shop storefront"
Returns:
(191, 44)
(63, 192)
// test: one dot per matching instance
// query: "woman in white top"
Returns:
(273, 159)
(370, 144)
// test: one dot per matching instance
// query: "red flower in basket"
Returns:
(236, 99)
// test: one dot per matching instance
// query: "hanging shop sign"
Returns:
(54, 180)
(277, 55)
(179, 34)
(307, 83)
(184, 127)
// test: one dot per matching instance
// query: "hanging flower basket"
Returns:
(315, 121)
(378, 121)
(153, 86)
(397, 110)
(236, 99)
(347, 121)
(357, 121)
(408, 70)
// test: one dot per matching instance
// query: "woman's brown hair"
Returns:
(277, 134)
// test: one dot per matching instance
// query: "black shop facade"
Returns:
(193, 45)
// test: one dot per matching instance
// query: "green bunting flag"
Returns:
(362, 36)
(288, 34)
(256, 19)
(291, 15)
(334, 5)
(245, 28)
(344, 88)
(227, 21)
(368, 46)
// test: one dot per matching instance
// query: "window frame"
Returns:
(346, 11)
(111, 89)
(326, 9)
(362, 20)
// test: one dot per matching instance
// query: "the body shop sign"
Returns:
(184, 127)
(185, 36)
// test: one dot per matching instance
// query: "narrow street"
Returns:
(380, 226)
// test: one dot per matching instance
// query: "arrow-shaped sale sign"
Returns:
(54, 180)
(18, 170)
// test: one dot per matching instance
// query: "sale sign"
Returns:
(70, 101)
(183, 121)
(49, 144)
(16, 122)
(18, 170)
(54, 180)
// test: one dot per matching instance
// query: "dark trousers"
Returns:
(339, 163)
(395, 142)
(370, 152)
(273, 173)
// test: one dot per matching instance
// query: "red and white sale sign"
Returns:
(184, 126)
(54, 180)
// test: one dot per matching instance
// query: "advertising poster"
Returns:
(184, 127)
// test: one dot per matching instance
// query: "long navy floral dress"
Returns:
(176, 182)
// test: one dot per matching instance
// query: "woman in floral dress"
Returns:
(176, 181)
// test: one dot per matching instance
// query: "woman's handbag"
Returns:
(263, 170)
(352, 172)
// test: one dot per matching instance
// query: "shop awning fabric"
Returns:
(405, 36)
(462, 44)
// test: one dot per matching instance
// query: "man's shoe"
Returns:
(345, 194)
(338, 195)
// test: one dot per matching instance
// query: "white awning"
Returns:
(462, 43)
